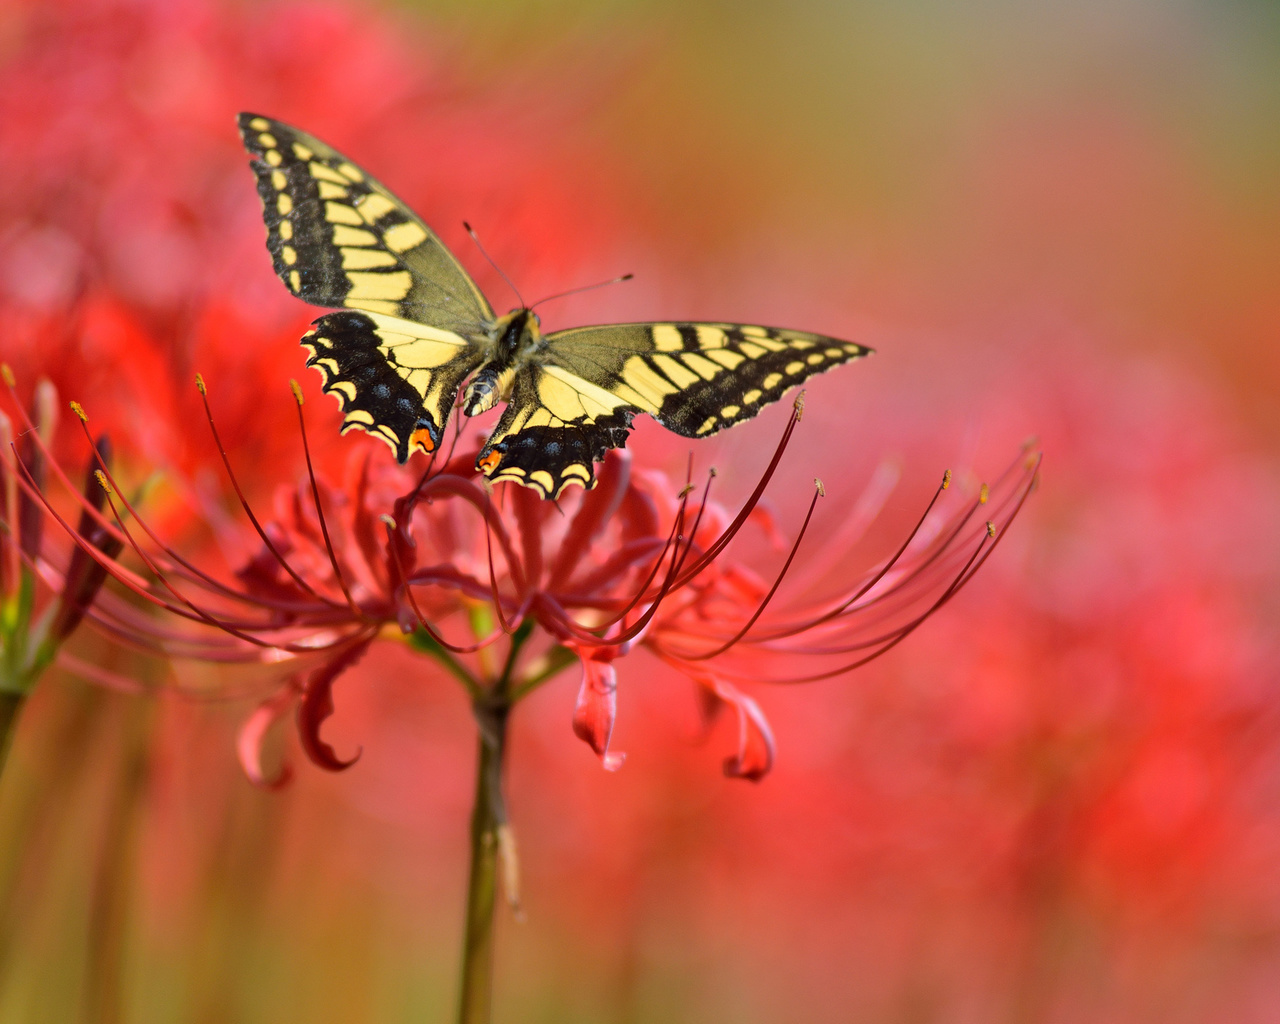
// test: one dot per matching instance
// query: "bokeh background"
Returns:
(1058, 802)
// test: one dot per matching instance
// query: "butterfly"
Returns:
(414, 329)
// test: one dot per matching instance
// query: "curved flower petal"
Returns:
(317, 705)
(597, 706)
(254, 731)
(593, 516)
(754, 758)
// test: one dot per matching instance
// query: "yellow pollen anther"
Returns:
(984, 493)
(101, 477)
(991, 529)
(685, 490)
(7, 373)
(712, 472)
(297, 391)
(946, 480)
(799, 406)
(822, 491)
(387, 521)
(78, 409)
(200, 385)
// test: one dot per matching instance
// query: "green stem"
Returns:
(10, 708)
(423, 641)
(488, 815)
(490, 838)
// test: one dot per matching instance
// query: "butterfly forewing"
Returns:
(697, 379)
(337, 237)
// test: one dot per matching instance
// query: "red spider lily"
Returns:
(40, 604)
(459, 569)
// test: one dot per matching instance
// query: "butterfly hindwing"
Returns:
(697, 379)
(578, 401)
(553, 431)
(337, 237)
(393, 378)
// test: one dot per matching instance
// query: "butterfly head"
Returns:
(515, 331)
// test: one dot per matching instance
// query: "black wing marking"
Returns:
(395, 379)
(338, 237)
(696, 379)
(556, 427)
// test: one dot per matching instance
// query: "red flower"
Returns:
(42, 598)
(637, 561)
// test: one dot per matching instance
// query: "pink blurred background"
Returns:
(1058, 802)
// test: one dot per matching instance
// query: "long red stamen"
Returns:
(315, 494)
(122, 575)
(668, 583)
(479, 500)
(732, 529)
(200, 613)
(140, 586)
(171, 560)
(244, 503)
(139, 632)
(905, 631)
(592, 590)
(493, 579)
(851, 529)
(764, 603)
(590, 635)
(941, 546)
(393, 548)
(966, 573)
(899, 596)
(938, 548)
(672, 539)
(847, 603)
(98, 674)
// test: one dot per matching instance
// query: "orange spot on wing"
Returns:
(489, 463)
(422, 438)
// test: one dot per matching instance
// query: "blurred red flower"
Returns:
(1063, 805)
(633, 562)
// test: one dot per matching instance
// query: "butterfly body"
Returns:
(518, 341)
(413, 331)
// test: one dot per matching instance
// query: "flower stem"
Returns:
(488, 815)
(10, 707)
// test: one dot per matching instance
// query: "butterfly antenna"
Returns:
(583, 288)
(510, 284)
